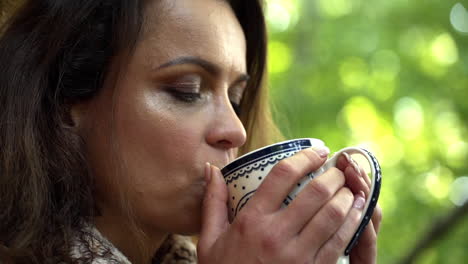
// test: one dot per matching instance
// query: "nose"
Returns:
(226, 130)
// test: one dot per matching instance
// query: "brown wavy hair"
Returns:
(57, 53)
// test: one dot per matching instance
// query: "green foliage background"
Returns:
(391, 76)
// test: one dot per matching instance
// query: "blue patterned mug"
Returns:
(244, 175)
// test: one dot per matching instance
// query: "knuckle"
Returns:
(243, 224)
(295, 253)
(310, 154)
(336, 212)
(247, 223)
(270, 242)
(319, 190)
(340, 240)
(337, 172)
(285, 167)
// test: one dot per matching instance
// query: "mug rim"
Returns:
(263, 151)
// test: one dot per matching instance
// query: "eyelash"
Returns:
(191, 97)
(187, 97)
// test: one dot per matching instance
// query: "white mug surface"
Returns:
(245, 174)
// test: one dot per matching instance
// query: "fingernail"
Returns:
(359, 201)
(207, 172)
(348, 157)
(322, 151)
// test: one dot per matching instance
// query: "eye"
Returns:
(184, 88)
(188, 97)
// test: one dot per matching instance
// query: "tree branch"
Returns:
(438, 229)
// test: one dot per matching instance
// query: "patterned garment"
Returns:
(90, 244)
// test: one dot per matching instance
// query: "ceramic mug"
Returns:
(244, 175)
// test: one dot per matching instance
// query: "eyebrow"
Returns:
(206, 65)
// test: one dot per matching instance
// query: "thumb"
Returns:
(214, 212)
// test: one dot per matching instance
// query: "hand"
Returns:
(365, 251)
(315, 228)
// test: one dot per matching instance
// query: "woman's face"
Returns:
(169, 112)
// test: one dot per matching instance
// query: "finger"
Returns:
(342, 161)
(369, 236)
(355, 181)
(326, 222)
(365, 251)
(214, 211)
(346, 160)
(283, 176)
(366, 176)
(335, 246)
(377, 218)
(311, 198)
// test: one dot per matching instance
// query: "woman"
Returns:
(112, 112)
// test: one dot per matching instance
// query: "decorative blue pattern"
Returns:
(254, 156)
(260, 163)
(243, 201)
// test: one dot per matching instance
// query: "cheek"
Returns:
(161, 146)
(159, 138)
(164, 168)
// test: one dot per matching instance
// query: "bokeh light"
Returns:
(438, 182)
(459, 193)
(459, 18)
(361, 117)
(457, 154)
(336, 8)
(448, 128)
(279, 58)
(390, 76)
(282, 14)
(409, 118)
(354, 72)
(444, 50)
(385, 64)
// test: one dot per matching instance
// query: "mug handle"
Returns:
(376, 178)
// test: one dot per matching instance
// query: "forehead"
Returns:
(201, 28)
